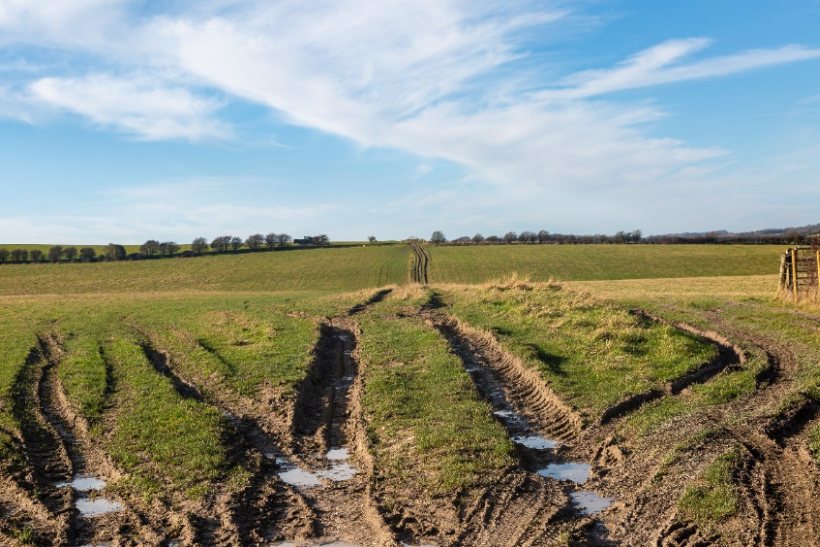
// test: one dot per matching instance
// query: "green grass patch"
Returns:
(423, 411)
(164, 441)
(83, 374)
(592, 353)
(713, 497)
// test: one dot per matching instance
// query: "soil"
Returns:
(561, 462)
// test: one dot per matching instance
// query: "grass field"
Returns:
(305, 269)
(477, 264)
(241, 337)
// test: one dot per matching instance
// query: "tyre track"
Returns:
(523, 508)
(328, 417)
(267, 507)
(44, 449)
(421, 264)
(520, 386)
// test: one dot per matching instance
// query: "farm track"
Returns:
(521, 508)
(267, 507)
(421, 264)
(328, 416)
(57, 448)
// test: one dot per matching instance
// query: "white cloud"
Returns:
(436, 78)
(652, 67)
(143, 106)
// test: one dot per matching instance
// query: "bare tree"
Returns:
(255, 242)
(283, 239)
(371, 239)
(478, 238)
(543, 236)
(236, 243)
(199, 245)
(88, 254)
(271, 240)
(19, 255)
(70, 253)
(169, 248)
(438, 238)
(114, 251)
(4, 255)
(221, 244)
(55, 253)
(509, 237)
(150, 247)
(37, 255)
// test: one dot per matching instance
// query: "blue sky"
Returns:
(122, 120)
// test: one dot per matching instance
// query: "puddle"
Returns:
(589, 502)
(83, 483)
(299, 477)
(339, 470)
(98, 506)
(572, 471)
(535, 442)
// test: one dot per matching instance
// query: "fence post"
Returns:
(795, 288)
(816, 294)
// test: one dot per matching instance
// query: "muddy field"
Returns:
(306, 466)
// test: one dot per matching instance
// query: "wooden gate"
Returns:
(799, 272)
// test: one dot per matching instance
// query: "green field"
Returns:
(244, 336)
(477, 264)
(302, 269)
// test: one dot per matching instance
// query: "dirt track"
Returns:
(421, 264)
(776, 478)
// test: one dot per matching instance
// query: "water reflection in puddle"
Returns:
(89, 507)
(572, 471)
(589, 502)
(535, 442)
(83, 483)
(339, 469)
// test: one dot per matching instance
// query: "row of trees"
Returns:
(542, 237)
(157, 249)
(54, 254)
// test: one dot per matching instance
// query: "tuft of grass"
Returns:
(591, 352)
(713, 497)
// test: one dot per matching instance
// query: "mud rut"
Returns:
(325, 421)
(57, 449)
(525, 508)
(777, 480)
(421, 264)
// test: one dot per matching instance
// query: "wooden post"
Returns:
(795, 288)
(784, 274)
(817, 293)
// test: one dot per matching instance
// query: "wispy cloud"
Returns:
(656, 66)
(436, 78)
(139, 105)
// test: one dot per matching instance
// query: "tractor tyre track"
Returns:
(328, 416)
(266, 509)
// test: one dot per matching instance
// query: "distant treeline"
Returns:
(153, 248)
(542, 237)
(807, 235)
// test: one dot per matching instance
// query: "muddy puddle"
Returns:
(538, 452)
(338, 468)
(88, 503)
